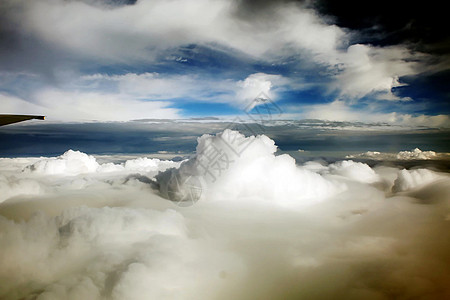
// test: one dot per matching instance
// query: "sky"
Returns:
(106, 60)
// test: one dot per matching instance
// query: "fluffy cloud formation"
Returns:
(101, 230)
(413, 179)
(231, 166)
(41, 175)
(71, 163)
(354, 170)
(258, 85)
(415, 154)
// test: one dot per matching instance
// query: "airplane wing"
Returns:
(9, 119)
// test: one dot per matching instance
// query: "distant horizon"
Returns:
(173, 135)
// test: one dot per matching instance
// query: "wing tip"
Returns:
(6, 119)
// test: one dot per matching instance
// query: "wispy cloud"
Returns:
(374, 72)
(136, 96)
(87, 106)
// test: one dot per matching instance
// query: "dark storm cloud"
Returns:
(258, 8)
(15, 48)
(111, 2)
(24, 51)
(422, 25)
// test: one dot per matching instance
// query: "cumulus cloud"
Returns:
(415, 154)
(12, 186)
(259, 85)
(114, 237)
(346, 169)
(71, 162)
(354, 170)
(42, 175)
(262, 175)
(412, 179)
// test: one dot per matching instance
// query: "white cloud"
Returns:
(259, 85)
(102, 234)
(15, 105)
(42, 175)
(413, 179)
(373, 71)
(157, 86)
(415, 154)
(140, 31)
(423, 120)
(80, 105)
(162, 87)
(336, 111)
(248, 169)
(136, 96)
(147, 29)
(71, 162)
(354, 170)
(340, 110)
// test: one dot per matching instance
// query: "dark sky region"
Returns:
(179, 138)
(111, 60)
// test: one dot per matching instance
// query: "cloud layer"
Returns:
(73, 227)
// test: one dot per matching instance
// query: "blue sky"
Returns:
(123, 60)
